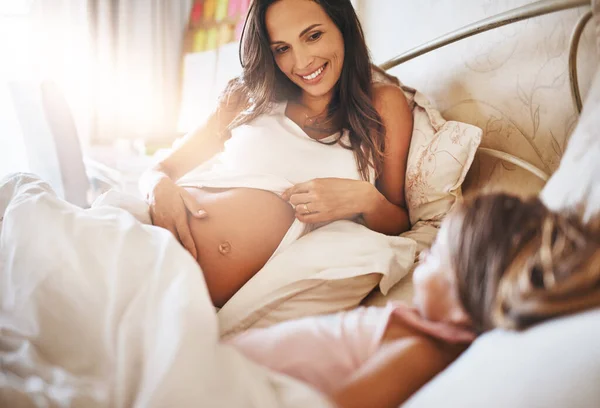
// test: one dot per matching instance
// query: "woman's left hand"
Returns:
(330, 199)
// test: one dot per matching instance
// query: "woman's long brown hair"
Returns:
(518, 263)
(262, 84)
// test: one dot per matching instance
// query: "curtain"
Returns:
(136, 49)
(41, 41)
(117, 61)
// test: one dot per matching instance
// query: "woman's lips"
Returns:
(315, 77)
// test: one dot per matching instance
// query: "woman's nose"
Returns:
(303, 58)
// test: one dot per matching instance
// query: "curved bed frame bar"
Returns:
(573, 47)
(536, 9)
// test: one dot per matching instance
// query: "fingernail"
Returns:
(201, 213)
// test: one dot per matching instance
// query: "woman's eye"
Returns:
(315, 36)
(281, 50)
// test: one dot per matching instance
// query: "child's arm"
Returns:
(396, 371)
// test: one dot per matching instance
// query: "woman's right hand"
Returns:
(169, 207)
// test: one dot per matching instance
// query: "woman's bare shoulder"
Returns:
(389, 99)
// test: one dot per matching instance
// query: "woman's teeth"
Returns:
(314, 74)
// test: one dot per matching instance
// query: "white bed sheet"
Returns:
(98, 310)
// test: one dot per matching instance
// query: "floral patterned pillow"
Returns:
(440, 155)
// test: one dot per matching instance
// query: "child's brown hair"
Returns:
(518, 263)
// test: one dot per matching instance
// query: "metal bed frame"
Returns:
(536, 9)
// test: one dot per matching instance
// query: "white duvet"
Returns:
(99, 310)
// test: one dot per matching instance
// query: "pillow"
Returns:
(575, 183)
(555, 364)
(347, 260)
(440, 155)
(402, 291)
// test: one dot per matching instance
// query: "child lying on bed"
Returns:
(498, 261)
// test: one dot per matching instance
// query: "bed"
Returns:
(140, 331)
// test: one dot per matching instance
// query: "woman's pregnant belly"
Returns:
(243, 229)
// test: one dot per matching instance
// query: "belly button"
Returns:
(225, 248)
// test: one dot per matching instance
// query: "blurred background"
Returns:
(91, 91)
(115, 79)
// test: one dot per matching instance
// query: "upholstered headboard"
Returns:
(513, 81)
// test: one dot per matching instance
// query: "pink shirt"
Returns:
(325, 350)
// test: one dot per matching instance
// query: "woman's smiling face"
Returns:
(307, 45)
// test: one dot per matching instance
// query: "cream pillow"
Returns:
(440, 155)
(402, 291)
(331, 269)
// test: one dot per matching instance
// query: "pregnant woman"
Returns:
(303, 137)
